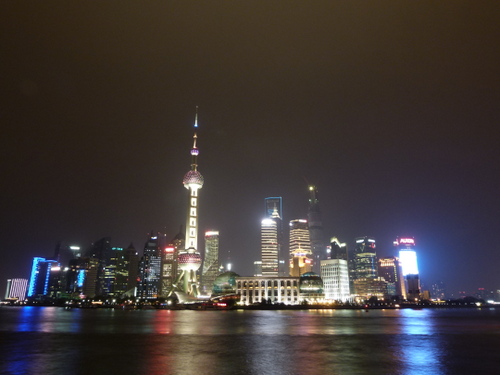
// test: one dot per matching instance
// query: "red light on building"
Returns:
(407, 241)
(169, 249)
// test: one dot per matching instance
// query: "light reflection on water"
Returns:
(427, 341)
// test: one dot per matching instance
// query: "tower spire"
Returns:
(194, 150)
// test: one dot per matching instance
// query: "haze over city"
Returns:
(390, 109)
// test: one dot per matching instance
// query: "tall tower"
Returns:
(210, 262)
(300, 248)
(408, 258)
(316, 229)
(150, 269)
(189, 259)
(270, 245)
(272, 204)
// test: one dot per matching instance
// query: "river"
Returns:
(51, 340)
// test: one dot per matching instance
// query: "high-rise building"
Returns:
(40, 278)
(131, 263)
(364, 277)
(270, 246)
(272, 204)
(335, 275)
(365, 262)
(211, 266)
(390, 270)
(189, 259)
(16, 288)
(300, 248)
(408, 257)
(101, 250)
(338, 250)
(148, 285)
(316, 229)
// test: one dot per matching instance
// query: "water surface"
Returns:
(51, 340)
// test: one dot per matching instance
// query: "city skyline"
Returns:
(388, 109)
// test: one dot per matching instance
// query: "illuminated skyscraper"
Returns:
(316, 229)
(335, 277)
(210, 269)
(148, 285)
(408, 257)
(16, 288)
(189, 259)
(272, 204)
(365, 280)
(270, 246)
(40, 278)
(390, 270)
(365, 263)
(300, 248)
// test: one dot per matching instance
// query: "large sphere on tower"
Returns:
(193, 178)
(189, 261)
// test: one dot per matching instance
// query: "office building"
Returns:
(300, 248)
(408, 257)
(42, 277)
(16, 289)
(390, 269)
(335, 275)
(272, 204)
(268, 290)
(148, 284)
(318, 245)
(211, 266)
(270, 246)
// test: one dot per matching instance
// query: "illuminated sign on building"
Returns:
(408, 260)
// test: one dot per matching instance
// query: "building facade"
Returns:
(301, 256)
(335, 275)
(211, 265)
(269, 246)
(408, 257)
(268, 289)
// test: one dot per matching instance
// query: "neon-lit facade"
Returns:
(40, 276)
(409, 264)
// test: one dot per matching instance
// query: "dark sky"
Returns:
(390, 108)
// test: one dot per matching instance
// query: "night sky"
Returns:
(390, 108)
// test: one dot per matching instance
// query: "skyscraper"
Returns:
(40, 278)
(272, 204)
(408, 257)
(300, 248)
(365, 264)
(148, 285)
(316, 229)
(189, 259)
(101, 251)
(270, 246)
(390, 270)
(16, 288)
(210, 268)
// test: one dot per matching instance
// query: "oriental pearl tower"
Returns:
(189, 259)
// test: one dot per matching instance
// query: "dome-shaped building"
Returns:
(225, 283)
(311, 288)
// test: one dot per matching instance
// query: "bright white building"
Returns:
(335, 277)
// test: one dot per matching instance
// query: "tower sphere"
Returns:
(189, 261)
(193, 178)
